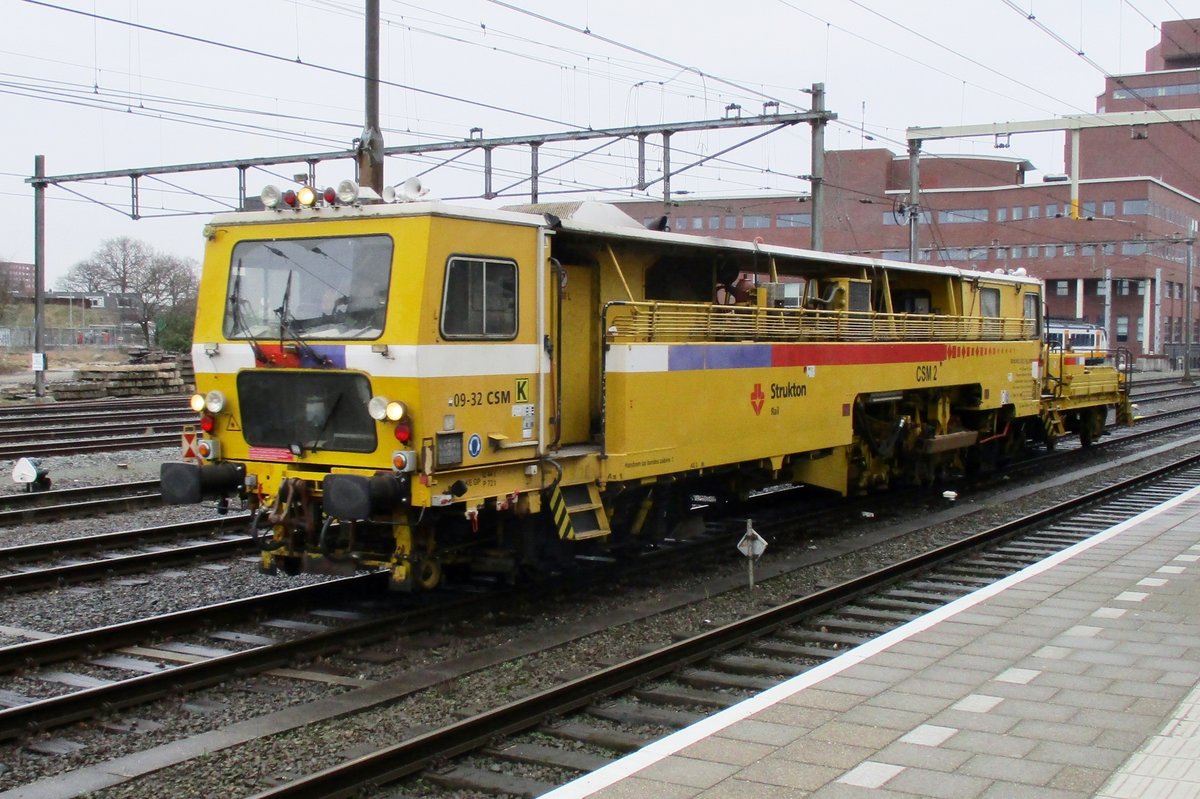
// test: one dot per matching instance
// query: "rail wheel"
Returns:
(429, 574)
(1091, 427)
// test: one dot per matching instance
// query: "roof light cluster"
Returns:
(346, 193)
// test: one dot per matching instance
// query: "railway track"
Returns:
(674, 686)
(65, 503)
(100, 442)
(188, 546)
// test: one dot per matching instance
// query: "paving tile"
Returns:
(976, 722)
(1010, 769)
(977, 703)
(901, 700)
(994, 743)
(761, 732)
(886, 675)
(860, 734)
(734, 788)
(1079, 778)
(902, 720)
(1114, 720)
(639, 788)
(936, 758)
(823, 698)
(1082, 697)
(848, 683)
(788, 773)
(828, 753)
(926, 686)
(937, 784)
(723, 750)
(1044, 711)
(1070, 754)
(802, 718)
(928, 735)
(688, 771)
(910, 662)
(870, 774)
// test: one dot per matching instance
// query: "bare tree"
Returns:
(158, 281)
(112, 268)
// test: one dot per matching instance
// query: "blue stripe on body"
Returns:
(689, 357)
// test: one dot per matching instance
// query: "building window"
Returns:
(1135, 207)
(1087, 250)
(714, 223)
(1062, 288)
(1035, 211)
(1018, 213)
(1108, 208)
(951, 217)
(697, 223)
(1015, 252)
(1089, 209)
(124, 302)
(1048, 251)
(1068, 250)
(1134, 248)
(1141, 328)
(1122, 328)
(1123, 288)
(1001, 214)
(756, 221)
(1031, 252)
(1141, 288)
(95, 302)
(730, 222)
(793, 220)
(1051, 210)
(679, 224)
(1178, 293)
(1101, 288)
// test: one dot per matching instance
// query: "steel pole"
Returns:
(39, 276)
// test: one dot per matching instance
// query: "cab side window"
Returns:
(480, 299)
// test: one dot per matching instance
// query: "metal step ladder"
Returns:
(578, 513)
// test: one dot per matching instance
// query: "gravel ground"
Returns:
(242, 770)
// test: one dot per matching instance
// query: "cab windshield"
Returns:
(320, 288)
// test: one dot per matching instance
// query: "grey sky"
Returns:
(92, 94)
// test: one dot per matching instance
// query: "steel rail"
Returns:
(70, 546)
(411, 756)
(151, 441)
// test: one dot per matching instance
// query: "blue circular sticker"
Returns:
(474, 446)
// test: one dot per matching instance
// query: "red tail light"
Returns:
(208, 423)
(403, 432)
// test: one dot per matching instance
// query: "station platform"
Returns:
(1076, 677)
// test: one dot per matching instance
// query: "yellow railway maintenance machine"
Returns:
(419, 386)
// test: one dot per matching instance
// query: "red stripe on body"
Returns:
(856, 354)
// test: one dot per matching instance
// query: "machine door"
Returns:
(576, 356)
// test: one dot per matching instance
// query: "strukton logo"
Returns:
(756, 398)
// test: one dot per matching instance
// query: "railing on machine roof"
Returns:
(673, 321)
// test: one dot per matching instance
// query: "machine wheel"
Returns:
(1091, 428)
(429, 574)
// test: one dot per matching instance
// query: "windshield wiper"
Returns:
(287, 332)
(320, 436)
(239, 322)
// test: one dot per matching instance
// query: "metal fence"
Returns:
(57, 338)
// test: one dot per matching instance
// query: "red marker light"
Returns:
(403, 433)
(289, 198)
(329, 195)
(208, 423)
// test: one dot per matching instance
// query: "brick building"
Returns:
(1123, 264)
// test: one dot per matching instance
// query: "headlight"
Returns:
(270, 196)
(381, 408)
(196, 402)
(347, 192)
(214, 401)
